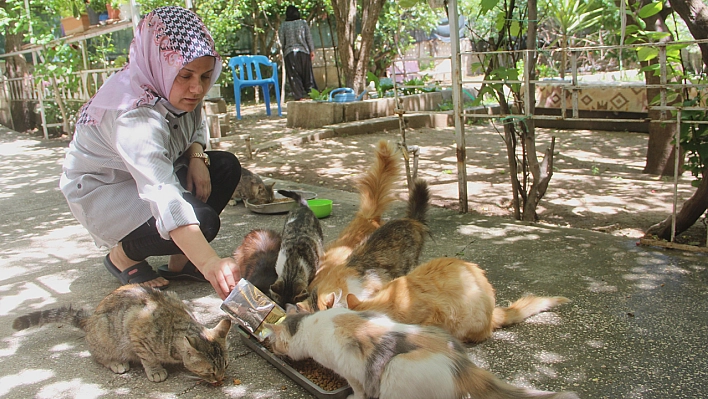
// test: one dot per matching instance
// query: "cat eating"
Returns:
(301, 246)
(256, 257)
(252, 188)
(383, 359)
(452, 294)
(146, 325)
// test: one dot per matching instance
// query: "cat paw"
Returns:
(119, 368)
(156, 374)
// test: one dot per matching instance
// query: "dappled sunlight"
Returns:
(24, 377)
(597, 286)
(25, 294)
(511, 232)
(545, 318)
(75, 388)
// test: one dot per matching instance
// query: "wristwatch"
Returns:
(203, 156)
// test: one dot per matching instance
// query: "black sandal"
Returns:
(188, 272)
(136, 274)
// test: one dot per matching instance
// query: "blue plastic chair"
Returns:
(246, 70)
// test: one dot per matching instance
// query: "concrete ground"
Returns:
(637, 326)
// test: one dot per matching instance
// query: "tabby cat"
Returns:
(252, 188)
(302, 245)
(256, 257)
(383, 359)
(391, 251)
(452, 294)
(121, 330)
(375, 195)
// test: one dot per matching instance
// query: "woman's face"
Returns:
(191, 84)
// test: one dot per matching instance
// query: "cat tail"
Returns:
(481, 384)
(419, 201)
(376, 184)
(294, 195)
(524, 308)
(64, 314)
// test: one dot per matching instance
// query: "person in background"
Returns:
(136, 174)
(299, 51)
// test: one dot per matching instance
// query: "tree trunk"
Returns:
(691, 210)
(695, 14)
(355, 56)
(23, 116)
(660, 152)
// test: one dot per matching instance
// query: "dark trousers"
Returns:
(298, 67)
(225, 172)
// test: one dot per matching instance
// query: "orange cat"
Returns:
(375, 195)
(452, 294)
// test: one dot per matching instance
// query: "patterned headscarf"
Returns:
(166, 40)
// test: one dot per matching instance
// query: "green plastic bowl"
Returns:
(321, 207)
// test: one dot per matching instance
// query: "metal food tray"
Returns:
(280, 364)
(278, 207)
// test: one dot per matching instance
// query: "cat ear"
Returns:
(330, 300)
(352, 301)
(270, 185)
(222, 329)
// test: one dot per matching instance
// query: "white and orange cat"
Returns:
(453, 294)
(383, 359)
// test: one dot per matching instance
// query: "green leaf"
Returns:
(487, 5)
(650, 9)
(407, 3)
(647, 53)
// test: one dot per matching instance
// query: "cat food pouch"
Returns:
(251, 308)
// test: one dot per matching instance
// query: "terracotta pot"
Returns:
(113, 13)
(73, 25)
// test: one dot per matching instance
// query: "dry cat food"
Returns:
(323, 377)
(320, 375)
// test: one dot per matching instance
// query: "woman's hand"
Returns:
(198, 179)
(223, 274)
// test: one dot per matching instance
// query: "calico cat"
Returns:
(452, 294)
(136, 323)
(375, 195)
(256, 257)
(391, 251)
(302, 245)
(383, 359)
(252, 188)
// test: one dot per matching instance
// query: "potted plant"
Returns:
(113, 8)
(74, 18)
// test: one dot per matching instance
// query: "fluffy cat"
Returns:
(136, 323)
(391, 251)
(375, 188)
(256, 257)
(383, 359)
(452, 294)
(252, 188)
(302, 245)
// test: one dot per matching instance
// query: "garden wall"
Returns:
(315, 114)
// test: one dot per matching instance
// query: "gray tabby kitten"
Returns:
(383, 359)
(120, 331)
(252, 188)
(301, 247)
